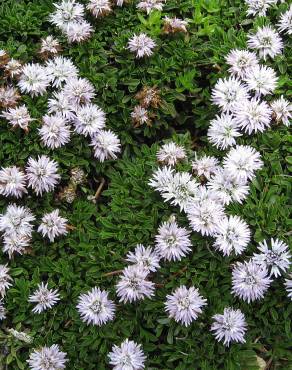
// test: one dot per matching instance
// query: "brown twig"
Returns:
(99, 189)
(112, 273)
(70, 227)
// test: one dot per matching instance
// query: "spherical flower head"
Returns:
(12, 182)
(160, 178)
(42, 174)
(282, 110)
(240, 61)
(106, 145)
(79, 91)
(55, 131)
(34, 80)
(171, 153)
(67, 11)
(13, 68)
(128, 356)
(242, 161)
(223, 131)
(17, 221)
(9, 97)
(18, 117)
(44, 298)
(266, 41)
(259, 7)
(78, 31)
(145, 258)
(275, 256)
(140, 116)
(62, 104)
(90, 119)
(99, 8)
(95, 308)
(228, 92)
(253, 116)
(149, 96)
(53, 225)
(142, 45)
(47, 358)
(184, 305)
(205, 216)
(133, 286)
(205, 166)
(149, 5)
(5, 280)
(59, 70)
(233, 235)
(250, 281)
(227, 188)
(14, 243)
(2, 310)
(262, 80)
(288, 286)
(49, 47)
(77, 176)
(173, 25)
(285, 23)
(229, 327)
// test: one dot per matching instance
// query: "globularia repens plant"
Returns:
(144, 185)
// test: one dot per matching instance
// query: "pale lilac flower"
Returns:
(275, 256)
(13, 243)
(259, 7)
(18, 117)
(44, 298)
(50, 46)
(229, 327)
(5, 280)
(67, 11)
(161, 178)
(78, 31)
(2, 310)
(262, 80)
(144, 257)
(95, 307)
(233, 235)
(140, 115)
(79, 91)
(59, 70)
(127, 356)
(266, 41)
(62, 104)
(42, 174)
(17, 221)
(288, 286)
(171, 153)
(120, 2)
(41, 358)
(250, 281)
(9, 96)
(285, 23)
(173, 25)
(34, 79)
(142, 45)
(55, 131)
(282, 110)
(99, 8)
(205, 166)
(184, 305)
(106, 145)
(53, 225)
(240, 61)
(90, 119)
(13, 68)
(12, 182)
(133, 286)
(149, 5)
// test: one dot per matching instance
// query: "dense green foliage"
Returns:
(128, 211)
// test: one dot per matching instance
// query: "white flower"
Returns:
(42, 174)
(12, 182)
(144, 257)
(250, 281)
(275, 257)
(266, 41)
(53, 225)
(148, 5)
(90, 119)
(223, 131)
(285, 23)
(44, 298)
(253, 116)
(16, 221)
(203, 193)
(78, 31)
(120, 2)
(5, 280)
(233, 235)
(61, 104)
(20, 335)
(34, 79)
(282, 110)
(228, 92)
(47, 358)
(241, 61)
(128, 356)
(241, 162)
(184, 305)
(172, 242)
(9, 96)
(173, 25)
(142, 45)
(261, 79)
(259, 7)
(288, 286)
(67, 11)
(161, 178)
(229, 326)
(133, 286)
(55, 131)
(13, 68)
(50, 46)
(15, 244)
(171, 153)
(99, 8)
(18, 117)
(95, 307)
(227, 188)
(79, 91)
(140, 115)
(205, 166)
(106, 145)
(59, 70)
(205, 216)
(2, 310)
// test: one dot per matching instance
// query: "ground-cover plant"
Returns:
(112, 208)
